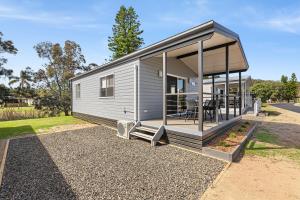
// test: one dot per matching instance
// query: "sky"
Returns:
(269, 30)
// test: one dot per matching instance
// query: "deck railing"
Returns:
(179, 105)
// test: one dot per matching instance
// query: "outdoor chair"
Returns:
(205, 107)
(191, 109)
(209, 108)
(220, 105)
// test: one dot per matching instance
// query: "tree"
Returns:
(4, 92)
(284, 79)
(53, 79)
(126, 33)
(263, 90)
(6, 46)
(284, 88)
(292, 87)
(24, 80)
(289, 87)
(24, 83)
(92, 66)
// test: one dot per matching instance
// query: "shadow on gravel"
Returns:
(30, 173)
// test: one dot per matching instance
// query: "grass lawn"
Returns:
(270, 110)
(266, 145)
(21, 127)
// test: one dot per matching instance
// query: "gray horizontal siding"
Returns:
(150, 104)
(112, 107)
(151, 92)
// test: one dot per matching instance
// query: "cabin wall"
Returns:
(112, 108)
(151, 85)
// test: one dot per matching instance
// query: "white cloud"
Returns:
(58, 19)
(280, 20)
(5, 8)
(289, 24)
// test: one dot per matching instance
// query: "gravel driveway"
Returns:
(94, 163)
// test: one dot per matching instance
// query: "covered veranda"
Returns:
(210, 53)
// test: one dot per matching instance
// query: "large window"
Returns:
(175, 85)
(77, 90)
(175, 101)
(107, 86)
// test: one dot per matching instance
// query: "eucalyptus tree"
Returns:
(6, 46)
(52, 80)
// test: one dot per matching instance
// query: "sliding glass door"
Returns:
(175, 101)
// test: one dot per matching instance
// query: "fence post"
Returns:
(217, 109)
(234, 105)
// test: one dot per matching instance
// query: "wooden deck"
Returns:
(185, 132)
(180, 123)
(189, 124)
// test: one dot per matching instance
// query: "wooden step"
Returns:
(149, 126)
(146, 129)
(142, 135)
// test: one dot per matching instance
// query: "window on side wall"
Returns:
(107, 86)
(77, 90)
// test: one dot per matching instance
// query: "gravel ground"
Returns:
(94, 163)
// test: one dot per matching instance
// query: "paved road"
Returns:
(288, 106)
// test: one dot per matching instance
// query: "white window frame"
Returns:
(114, 86)
(77, 93)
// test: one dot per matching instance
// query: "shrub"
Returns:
(241, 129)
(232, 135)
(8, 114)
(15, 104)
(223, 143)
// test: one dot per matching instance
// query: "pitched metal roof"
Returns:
(205, 28)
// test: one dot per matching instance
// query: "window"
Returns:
(175, 85)
(78, 90)
(107, 86)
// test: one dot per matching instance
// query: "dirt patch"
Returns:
(231, 138)
(258, 178)
(68, 127)
(58, 129)
(286, 126)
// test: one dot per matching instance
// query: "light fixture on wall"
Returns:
(160, 73)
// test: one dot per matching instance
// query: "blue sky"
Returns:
(269, 30)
